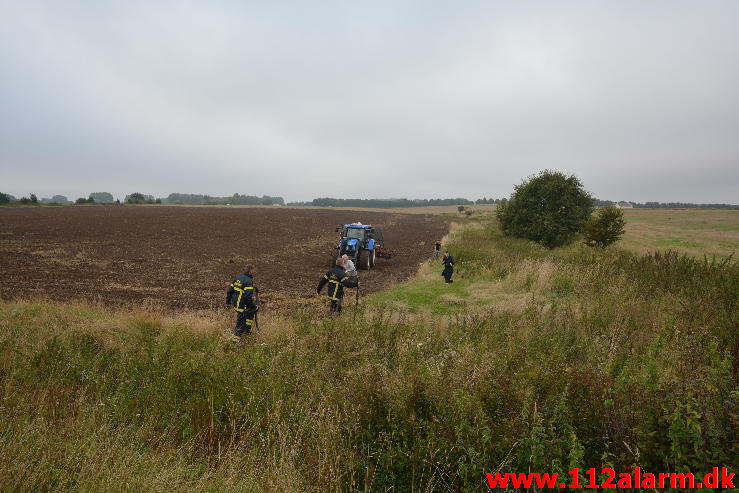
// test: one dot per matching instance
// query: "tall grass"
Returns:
(613, 359)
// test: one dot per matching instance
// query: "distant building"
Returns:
(624, 205)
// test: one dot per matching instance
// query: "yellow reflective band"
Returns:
(336, 291)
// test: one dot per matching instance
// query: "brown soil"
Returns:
(185, 257)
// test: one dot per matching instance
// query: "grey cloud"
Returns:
(370, 100)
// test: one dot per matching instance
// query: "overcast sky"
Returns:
(640, 99)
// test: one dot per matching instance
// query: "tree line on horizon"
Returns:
(239, 199)
(141, 198)
(381, 203)
(235, 199)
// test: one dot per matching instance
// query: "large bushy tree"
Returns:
(548, 208)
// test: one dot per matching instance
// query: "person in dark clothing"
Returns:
(337, 280)
(448, 262)
(240, 296)
(437, 249)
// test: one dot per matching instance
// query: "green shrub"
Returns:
(604, 228)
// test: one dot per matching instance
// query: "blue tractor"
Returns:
(362, 243)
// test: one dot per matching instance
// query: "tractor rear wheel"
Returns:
(366, 260)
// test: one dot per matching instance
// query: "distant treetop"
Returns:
(102, 197)
(56, 199)
(139, 198)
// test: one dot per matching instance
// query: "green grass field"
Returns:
(692, 231)
(533, 360)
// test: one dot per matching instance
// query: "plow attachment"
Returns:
(384, 252)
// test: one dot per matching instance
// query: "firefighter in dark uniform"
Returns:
(337, 280)
(448, 262)
(240, 296)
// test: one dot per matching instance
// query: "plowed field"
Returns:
(186, 256)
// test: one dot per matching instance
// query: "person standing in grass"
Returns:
(337, 280)
(240, 296)
(437, 249)
(448, 262)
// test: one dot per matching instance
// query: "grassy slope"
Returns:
(532, 360)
